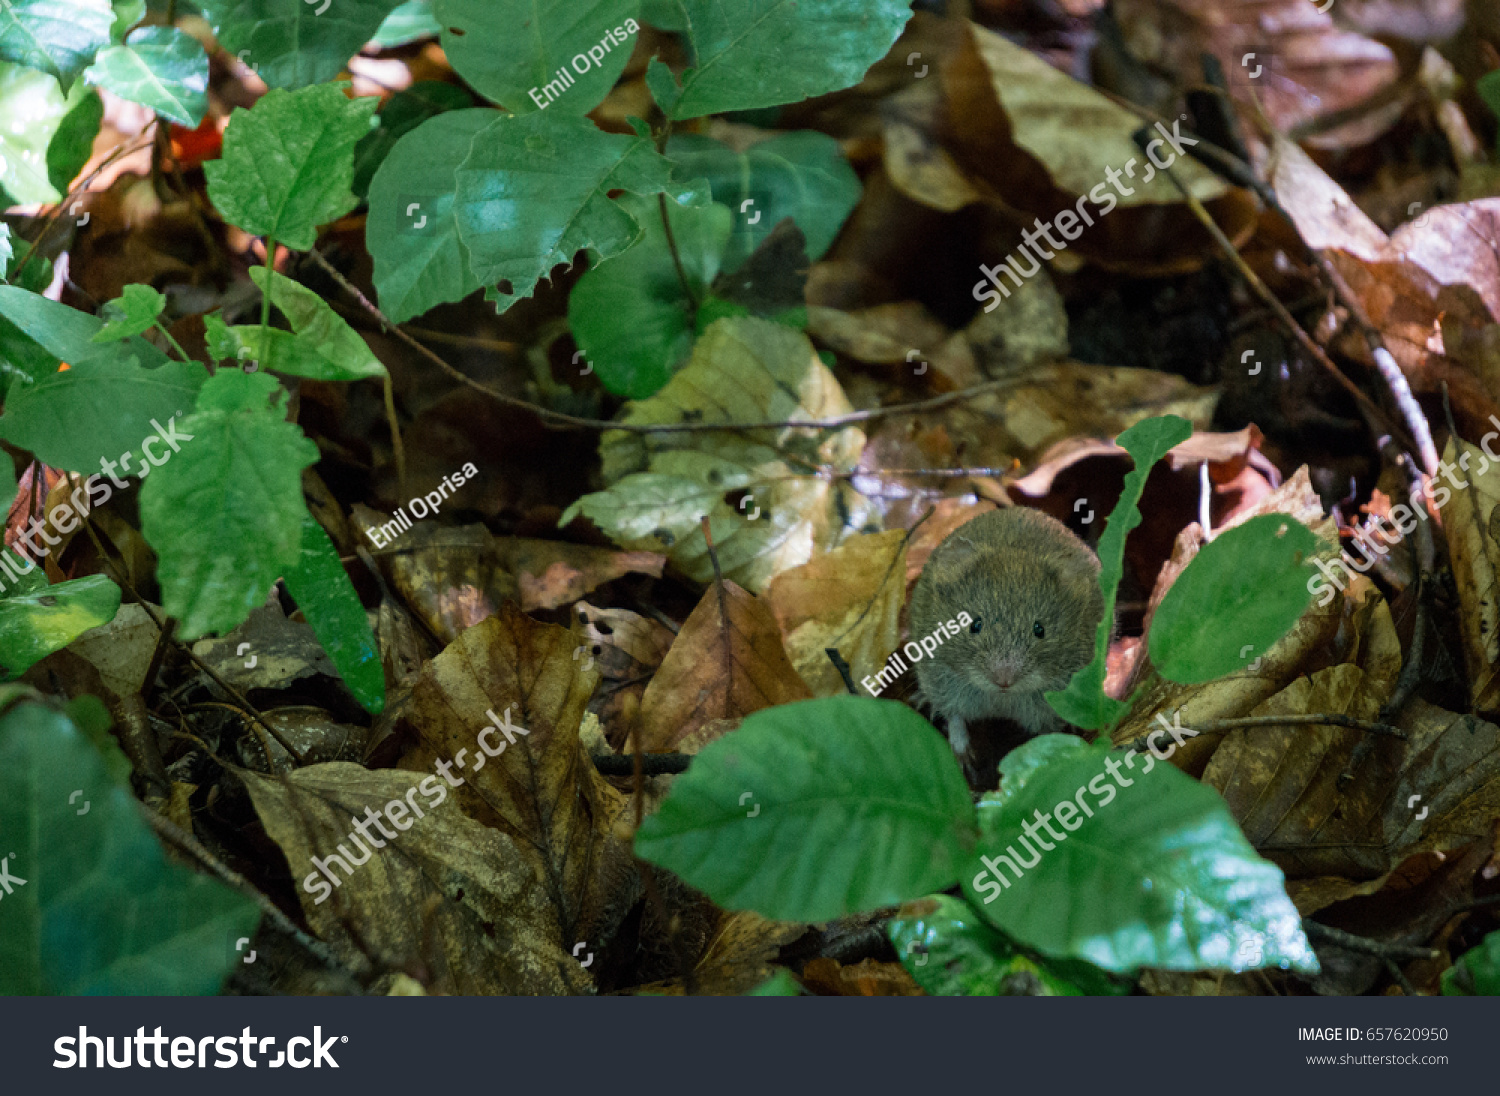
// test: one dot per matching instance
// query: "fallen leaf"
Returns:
(726, 662)
(447, 891)
(849, 599)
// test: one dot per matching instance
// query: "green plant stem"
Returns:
(265, 302)
(181, 353)
(666, 222)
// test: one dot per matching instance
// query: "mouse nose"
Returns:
(1007, 675)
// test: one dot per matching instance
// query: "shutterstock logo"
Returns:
(189, 1053)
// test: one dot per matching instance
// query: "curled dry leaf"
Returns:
(449, 575)
(915, 160)
(553, 573)
(1306, 67)
(627, 648)
(849, 599)
(540, 788)
(441, 895)
(726, 662)
(1041, 142)
(1472, 523)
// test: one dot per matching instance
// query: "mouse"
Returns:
(1030, 589)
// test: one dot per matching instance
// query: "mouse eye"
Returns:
(1038, 631)
(978, 624)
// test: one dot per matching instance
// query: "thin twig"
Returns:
(1327, 719)
(1265, 294)
(162, 626)
(82, 185)
(644, 764)
(1363, 944)
(842, 667)
(179, 838)
(559, 418)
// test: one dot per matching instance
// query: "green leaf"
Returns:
(33, 578)
(161, 68)
(1241, 593)
(101, 409)
(58, 37)
(34, 277)
(761, 53)
(327, 599)
(320, 345)
(664, 14)
(127, 14)
(1477, 972)
(420, 262)
(7, 483)
(36, 335)
(33, 625)
(855, 804)
(630, 316)
(102, 910)
(33, 107)
(293, 43)
(801, 175)
(780, 984)
(137, 309)
(404, 112)
(7, 251)
(510, 50)
(410, 22)
(1164, 878)
(225, 517)
(1083, 703)
(73, 143)
(288, 162)
(533, 191)
(951, 952)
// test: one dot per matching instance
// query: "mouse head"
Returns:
(1033, 596)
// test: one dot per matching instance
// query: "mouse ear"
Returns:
(956, 551)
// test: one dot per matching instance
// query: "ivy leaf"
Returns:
(1162, 879)
(225, 515)
(102, 910)
(294, 43)
(34, 624)
(58, 37)
(533, 191)
(420, 261)
(323, 592)
(320, 345)
(801, 175)
(33, 107)
(162, 68)
(1254, 574)
(288, 163)
(761, 53)
(136, 309)
(853, 804)
(951, 952)
(1084, 703)
(410, 22)
(100, 409)
(402, 113)
(509, 49)
(630, 316)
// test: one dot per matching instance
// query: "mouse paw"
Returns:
(958, 737)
